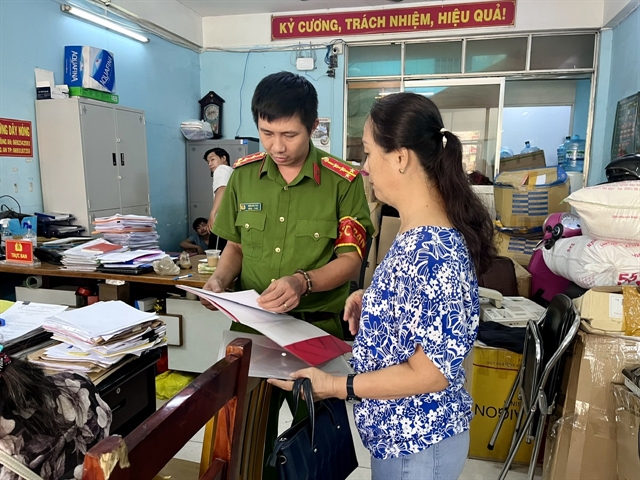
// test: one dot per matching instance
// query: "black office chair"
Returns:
(537, 382)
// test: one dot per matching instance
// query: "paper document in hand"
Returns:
(269, 360)
(304, 340)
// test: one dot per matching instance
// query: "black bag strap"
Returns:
(303, 386)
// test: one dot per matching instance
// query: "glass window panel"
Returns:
(433, 58)
(374, 61)
(496, 55)
(360, 99)
(562, 52)
(469, 111)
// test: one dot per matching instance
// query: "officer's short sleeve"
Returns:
(224, 225)
(353, 203)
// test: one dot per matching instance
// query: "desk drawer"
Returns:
(129, 398)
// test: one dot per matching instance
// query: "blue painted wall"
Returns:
(620, 77)
(225, 72)
(158, 77)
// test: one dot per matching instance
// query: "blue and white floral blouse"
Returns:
(425, 292)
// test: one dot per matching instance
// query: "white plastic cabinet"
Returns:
(93, 158)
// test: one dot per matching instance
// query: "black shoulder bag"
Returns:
(319, 447)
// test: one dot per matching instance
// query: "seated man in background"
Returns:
(48, 423)
(200, 242)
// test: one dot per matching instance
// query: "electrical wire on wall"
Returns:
(244, 77)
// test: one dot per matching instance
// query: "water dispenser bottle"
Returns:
(528, 148)
(562, 150)
(574, 154)
(506, 152)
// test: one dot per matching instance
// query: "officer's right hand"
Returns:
(353, 310)
(214, 285)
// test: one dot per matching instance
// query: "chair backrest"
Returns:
(552, 365)
(363, 267)
(558, 319)
(532, 357)
(146, 450)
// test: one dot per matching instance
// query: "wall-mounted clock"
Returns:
(211, 112)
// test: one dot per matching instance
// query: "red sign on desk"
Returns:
(15, 138)
(19, 251)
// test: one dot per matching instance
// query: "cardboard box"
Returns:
(611, 309)
(89, 67)
(389, 228)
(523, 161)
(602, 308)
(114, 292)
(627, 407)
(490, 373)
(582, 444)
(519, 249)
(525, 198)
(523, 277)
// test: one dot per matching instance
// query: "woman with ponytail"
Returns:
(47, 423)
(418, 320)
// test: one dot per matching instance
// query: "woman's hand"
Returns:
(282, 295)
(324, 384)
(353, 311)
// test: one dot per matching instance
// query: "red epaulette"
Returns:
(254, 157)
(345, 171)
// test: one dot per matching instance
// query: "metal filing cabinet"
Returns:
(199, 181)
(93, 158)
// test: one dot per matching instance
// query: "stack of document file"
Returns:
(130, 259)
(133, 231)
(24, 320)
(96, 337)
(85, 257)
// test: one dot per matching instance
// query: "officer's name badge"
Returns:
(250, 207)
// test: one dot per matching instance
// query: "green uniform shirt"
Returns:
(283, 228)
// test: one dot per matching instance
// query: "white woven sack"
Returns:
(594, 263)
(610, 211)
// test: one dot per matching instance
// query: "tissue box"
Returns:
(89, 67)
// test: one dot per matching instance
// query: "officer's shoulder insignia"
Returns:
(345, 171)
(254, 157)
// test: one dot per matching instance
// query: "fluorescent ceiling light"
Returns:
(103, 22)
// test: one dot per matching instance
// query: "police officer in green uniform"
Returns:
(295, 218)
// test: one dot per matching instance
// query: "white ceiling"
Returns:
(214, 8)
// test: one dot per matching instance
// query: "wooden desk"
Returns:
(48, 270)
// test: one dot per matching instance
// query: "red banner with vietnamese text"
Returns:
(15, 138)
(367, 22)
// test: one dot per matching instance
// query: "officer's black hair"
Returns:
(283, 95)
(198, 221)
(221, 152)
(411, 121)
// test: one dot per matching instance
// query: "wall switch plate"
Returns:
(305, 63)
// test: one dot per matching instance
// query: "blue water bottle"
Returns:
(574, 154)
(562, 151)
(528, 148)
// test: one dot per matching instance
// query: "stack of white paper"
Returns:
(133, 231)
(24, 319)
(96, 337)
(130, 259)
(85, 257)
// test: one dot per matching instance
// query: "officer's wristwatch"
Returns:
(351, 396)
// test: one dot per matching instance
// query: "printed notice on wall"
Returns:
(321, 136)
(15, 138)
